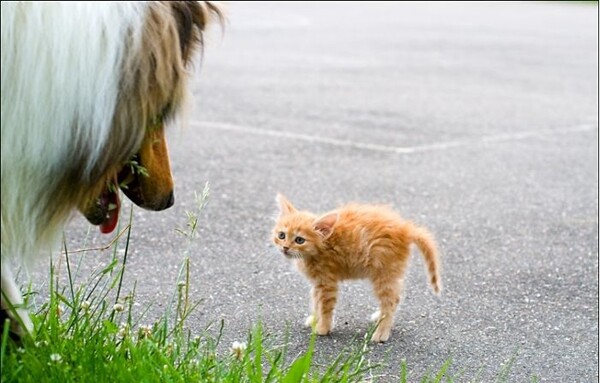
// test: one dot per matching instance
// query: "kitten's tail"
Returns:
(425, 242)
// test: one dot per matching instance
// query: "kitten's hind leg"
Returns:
(388, 293)
(326, 297)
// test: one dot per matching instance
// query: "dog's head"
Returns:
(153, 86)
(145, 179)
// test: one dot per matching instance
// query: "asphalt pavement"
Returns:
(476, 120)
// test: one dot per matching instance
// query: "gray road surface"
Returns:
(479, 121)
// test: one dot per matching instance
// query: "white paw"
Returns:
(376, 316)
(310, 321)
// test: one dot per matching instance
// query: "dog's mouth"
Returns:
(135, 184)
(111, 204)
(104, 211)
(145, 179)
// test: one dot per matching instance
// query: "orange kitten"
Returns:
(353, 242)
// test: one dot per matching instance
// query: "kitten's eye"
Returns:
(281, 235)
(299, 240)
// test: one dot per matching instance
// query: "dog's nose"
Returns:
(164, 203)
(170, 201)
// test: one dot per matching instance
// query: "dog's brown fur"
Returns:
(152, 87)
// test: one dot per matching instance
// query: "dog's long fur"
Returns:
(86, 87)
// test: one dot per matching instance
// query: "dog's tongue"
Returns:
(111, 198)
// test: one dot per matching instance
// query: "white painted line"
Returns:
(393, 149)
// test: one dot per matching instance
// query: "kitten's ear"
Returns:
(325, 224)
(285, 206)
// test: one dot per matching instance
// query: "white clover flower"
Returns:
(145, 331)
(238, 349)
(85, 305)
(56, 358)
(123, 331)
(118, 307)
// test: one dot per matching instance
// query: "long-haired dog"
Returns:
(86, 90)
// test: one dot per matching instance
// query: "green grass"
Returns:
(90, 332)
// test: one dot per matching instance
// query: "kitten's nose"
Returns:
(285, 250)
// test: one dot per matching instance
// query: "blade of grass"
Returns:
(125, 255)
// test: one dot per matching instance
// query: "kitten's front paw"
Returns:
(381, 335)
(310, 321)
(322, 329)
